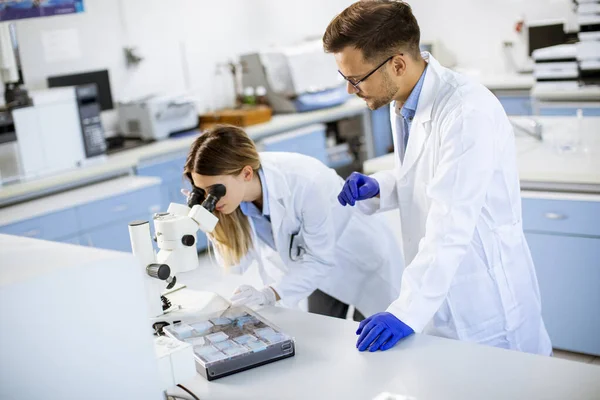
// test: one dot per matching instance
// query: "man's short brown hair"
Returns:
(378, 28)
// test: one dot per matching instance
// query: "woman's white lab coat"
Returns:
(469, 274)
(346, 254)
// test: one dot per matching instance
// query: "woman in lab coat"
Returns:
(281, 210)
(469, 274)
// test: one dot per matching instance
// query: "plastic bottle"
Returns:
(249, 97)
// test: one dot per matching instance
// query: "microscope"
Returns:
(176, 239)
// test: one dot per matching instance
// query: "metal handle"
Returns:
(89, 240)
(555, 216)
(120, 208)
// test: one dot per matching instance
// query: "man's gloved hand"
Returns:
(381, 332)
(358, 187)
(247, 295)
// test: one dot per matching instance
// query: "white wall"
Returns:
(183, 40)
(182, 43)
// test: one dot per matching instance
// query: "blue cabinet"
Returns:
(382, 131)
(101, 223)
(516, 104)
(125, 207)
(310, 141)
(114, 236)
(564, 238)
(569, 111)
(53, 226)
(568, 270)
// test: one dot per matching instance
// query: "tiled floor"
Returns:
(584, 358)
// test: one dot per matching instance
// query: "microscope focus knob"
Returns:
(188, 240)
(159, 271)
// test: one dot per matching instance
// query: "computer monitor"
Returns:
(100, 78)
(546, 35)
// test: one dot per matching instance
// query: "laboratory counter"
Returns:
(541, 166)
(504, 81)
(566, 93)
(328, 366)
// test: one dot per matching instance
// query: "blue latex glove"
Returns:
(381, 332)
(358, 187)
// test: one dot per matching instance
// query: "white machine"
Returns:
(157, 117)
(588, 47)
(176, 238)
(61, 130)
(298, 78)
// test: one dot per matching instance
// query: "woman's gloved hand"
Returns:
(247, 295)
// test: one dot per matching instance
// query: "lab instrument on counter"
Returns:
(175, 233)
(157, 117)
(99, 78)
(231, 342)
(297, 78)
(588, 47)
(545, 33)
(15, 95)
(61, 130)
(570, 67)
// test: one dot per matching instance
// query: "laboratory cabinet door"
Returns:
(114, 236)
(568, 270)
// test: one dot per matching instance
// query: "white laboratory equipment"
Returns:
(59, 131)
(157, 117)
(570, 141)
(176, 238)
(297, 78)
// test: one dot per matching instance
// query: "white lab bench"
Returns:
(328, 366)
(561, 220)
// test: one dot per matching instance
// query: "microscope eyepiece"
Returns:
(214, 195)
(196, 197)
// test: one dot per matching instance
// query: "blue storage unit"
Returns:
(102, 223)
(53, 226)
(568, 275)
(516, 104)
(310, 141)
(567, 111)
(382, 131)
(564, 238)
(105, 223)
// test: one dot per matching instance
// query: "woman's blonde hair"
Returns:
(225, 150)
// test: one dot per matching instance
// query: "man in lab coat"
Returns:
(469, 274)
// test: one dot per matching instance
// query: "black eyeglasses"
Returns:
(364, 78)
